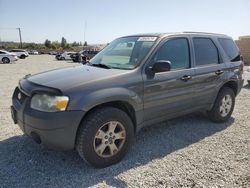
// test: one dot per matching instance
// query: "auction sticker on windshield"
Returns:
(147, 39)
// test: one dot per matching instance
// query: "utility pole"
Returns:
(20, 37)
(85, 28)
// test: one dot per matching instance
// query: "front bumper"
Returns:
(55, 130)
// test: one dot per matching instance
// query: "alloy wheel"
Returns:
(109, 139)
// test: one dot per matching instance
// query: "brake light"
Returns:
(241, 68)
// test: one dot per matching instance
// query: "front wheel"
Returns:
(104, 136)
(6, 60)
(223, 106)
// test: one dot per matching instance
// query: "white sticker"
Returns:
(147, 39)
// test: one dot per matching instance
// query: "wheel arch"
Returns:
(232, 85)
(125, 106)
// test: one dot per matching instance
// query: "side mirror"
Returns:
(161, 66)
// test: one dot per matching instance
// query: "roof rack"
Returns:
(202, 33)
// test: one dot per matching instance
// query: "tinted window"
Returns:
(205, 51)
(176, 51)
(230, 49)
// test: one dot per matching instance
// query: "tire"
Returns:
(222, 110)
(22, 56)
(97, 124)
(248, 81)
(6, 60)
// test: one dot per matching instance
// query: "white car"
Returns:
(7, 57)
(33, 52)
(247, 74)
(20, 53)
(66, 55)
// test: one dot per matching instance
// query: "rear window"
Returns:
(230, 49)
(205, 52)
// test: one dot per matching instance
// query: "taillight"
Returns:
(241, 68)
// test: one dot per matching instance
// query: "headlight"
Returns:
(49, 103)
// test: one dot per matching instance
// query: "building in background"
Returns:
(244, 45)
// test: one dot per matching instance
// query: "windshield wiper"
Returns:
(101, 65)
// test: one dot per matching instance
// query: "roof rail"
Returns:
(202, 33)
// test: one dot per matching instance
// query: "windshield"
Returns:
(124, 53)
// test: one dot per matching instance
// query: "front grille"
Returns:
(19, 95)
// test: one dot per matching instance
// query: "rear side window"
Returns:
(176, 51)
(205, 52)
(230, 49)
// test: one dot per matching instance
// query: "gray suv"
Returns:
(135, 81)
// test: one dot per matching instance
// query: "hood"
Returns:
(71, 77)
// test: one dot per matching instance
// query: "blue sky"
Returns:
(109, 19)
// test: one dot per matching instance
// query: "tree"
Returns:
(63, 42)
(75, 44)
(55, 45)
(85, 43)
(47, 43)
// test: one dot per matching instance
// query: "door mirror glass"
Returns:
(161, 66)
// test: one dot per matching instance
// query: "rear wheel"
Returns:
(104, 136)
(22, 56)
(6, 60)
(223, 106)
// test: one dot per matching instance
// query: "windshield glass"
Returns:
(124, 53)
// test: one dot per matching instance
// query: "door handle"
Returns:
(186, 78)
(219, 72)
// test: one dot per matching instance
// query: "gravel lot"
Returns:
(185, 152)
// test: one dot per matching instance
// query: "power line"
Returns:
(7, 28)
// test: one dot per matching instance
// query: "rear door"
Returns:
(167, 94)
(209, 70)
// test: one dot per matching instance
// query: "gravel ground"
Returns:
(185, 152)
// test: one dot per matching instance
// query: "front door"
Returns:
(169, 93)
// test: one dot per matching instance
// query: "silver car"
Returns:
(7, 57)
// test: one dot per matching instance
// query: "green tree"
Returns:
(75, 44)
(63, 43)
(47, 43)
(55, 45)
(85, 43)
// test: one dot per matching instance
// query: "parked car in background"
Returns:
(53, 53)
(58, 56)
(33, 52)
(139, 80)
(83, 55)
(20, 53)
(65, 56)
(247, 74)
(7, 57)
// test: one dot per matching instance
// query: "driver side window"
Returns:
(176, 51)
